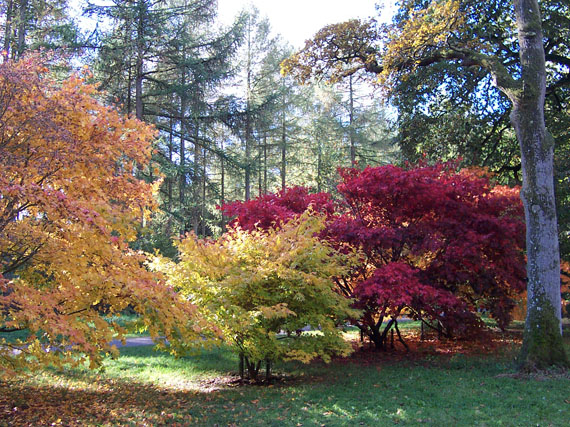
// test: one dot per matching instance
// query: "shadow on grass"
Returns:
(144, 387)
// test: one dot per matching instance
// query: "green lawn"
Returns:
(430, 387)
(127, 321)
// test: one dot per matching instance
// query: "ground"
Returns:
(437, 383)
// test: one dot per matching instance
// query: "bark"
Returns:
(223, 188)
(203, 201)
(242, 366)
(351, 123)
(319, 166)
(267, 370)
(283, 140)
(8, 27)
(182, 153)
(248, 118)
(542, 345)
(265, 163)
(22, 23)
(170, 152)
(139, 61)
(283, 148)
(196, 179)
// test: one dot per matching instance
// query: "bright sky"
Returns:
(299, 20)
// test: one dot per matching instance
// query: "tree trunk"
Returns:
(267, 370)
(319, 166)
(139, 61)
(223, 188)
(542, 345)
(169, 178)
(22, 23)
(265, 162)
(182, 167)
(248, 118)
(283, 143)
(196, 179)
(203, 201)
(351, 123)
(8, 28)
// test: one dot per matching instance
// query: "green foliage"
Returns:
(261, 288)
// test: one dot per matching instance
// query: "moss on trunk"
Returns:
(542, 345)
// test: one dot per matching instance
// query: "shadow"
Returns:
(429, 388)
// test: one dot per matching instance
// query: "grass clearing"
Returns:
(436, 384)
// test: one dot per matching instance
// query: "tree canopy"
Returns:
(433, 243)
(261, 287)
(70, 204)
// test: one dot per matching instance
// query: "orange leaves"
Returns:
(69, 204)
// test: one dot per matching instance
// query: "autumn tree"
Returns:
(447, 110)
(69, 206)
(438, 32)
(262, 287)
(269, 210)
(437, 244)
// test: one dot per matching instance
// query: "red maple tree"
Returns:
(270, 209)
(437, 244)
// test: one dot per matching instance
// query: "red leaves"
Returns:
(440, 241)
(271, 209)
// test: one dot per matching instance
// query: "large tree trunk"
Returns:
(542, 346)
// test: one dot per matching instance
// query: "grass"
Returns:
(437, 384)
(127, 321)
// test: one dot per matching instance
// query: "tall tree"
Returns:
(185, 57)
(435, 33)
(32, 24)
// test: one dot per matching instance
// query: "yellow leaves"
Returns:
(419, 36)
(301, 355)
(255, 285)
(277, 311)
(70, 203)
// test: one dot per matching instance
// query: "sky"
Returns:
(299, 20)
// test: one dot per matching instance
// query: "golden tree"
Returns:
(70, 203)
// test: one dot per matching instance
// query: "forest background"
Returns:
(231, 126)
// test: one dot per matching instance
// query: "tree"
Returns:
(436, 33)
(269, 210)
(447, 110)
(69, 206)
(436, 244)
(32, 24)
(262, 287)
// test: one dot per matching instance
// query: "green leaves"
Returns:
(260, 288)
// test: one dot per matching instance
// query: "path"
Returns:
(134, 342)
